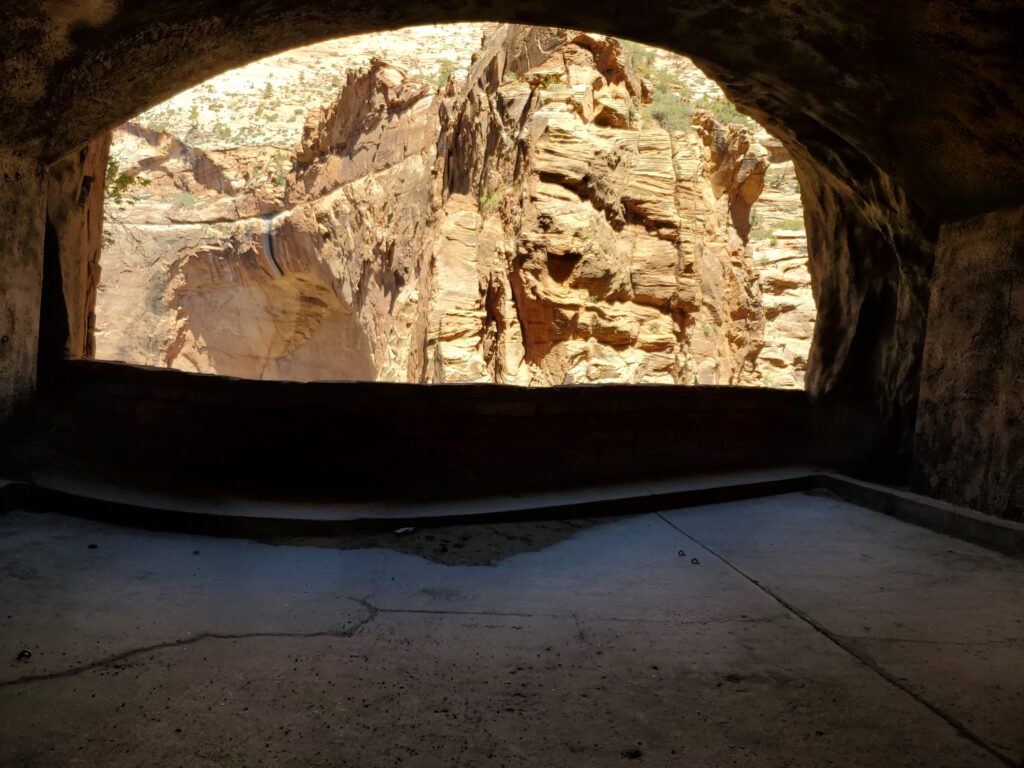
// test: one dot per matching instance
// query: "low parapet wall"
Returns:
(352, 440)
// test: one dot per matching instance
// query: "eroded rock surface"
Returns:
(529, 225)
(244, 273)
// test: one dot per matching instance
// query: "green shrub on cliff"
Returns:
(488, 201)
(444, 72)
(183, 200)
(724, 111)
(640, 56)
(671, 112)
(670, 104)
(119, 192)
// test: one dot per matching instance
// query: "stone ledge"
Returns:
(988, 531)
(122, 503)
(253, 517)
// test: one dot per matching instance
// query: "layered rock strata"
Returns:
(528, 225)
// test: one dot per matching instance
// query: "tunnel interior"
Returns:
(206, 569)
(892, 184)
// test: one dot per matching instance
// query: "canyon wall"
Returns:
(224, 266)
(74, 218)
(530, 224)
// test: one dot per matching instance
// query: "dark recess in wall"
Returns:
(53, 318)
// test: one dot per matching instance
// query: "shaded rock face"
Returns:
(525, 227)
(23, 208)
(75, 225)
(973, 453)
(870, 261)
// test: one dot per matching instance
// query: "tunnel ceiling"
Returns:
(926, 95)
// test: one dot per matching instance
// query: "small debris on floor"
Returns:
(93, 546)
(632, 754)
(404, 530)
(24, 654)
(695, 561)
(682, 553)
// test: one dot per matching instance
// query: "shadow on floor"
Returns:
(472, 544)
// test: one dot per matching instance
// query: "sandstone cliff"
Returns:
(266, 102)
(528, 225)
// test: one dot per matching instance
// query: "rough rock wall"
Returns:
(870, 248)
(870, 260)
(779, 242)
(529, 226)
(199, 217)
(968, 445)
(74, 214)
(23, 213)
(358, 205)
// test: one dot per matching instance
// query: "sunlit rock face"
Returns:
(604, 250)
(228, 267)
(530, 224)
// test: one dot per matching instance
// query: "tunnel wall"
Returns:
(901, 117)
(969, 442)
(870, 262)
(870, 253)
(22, 221)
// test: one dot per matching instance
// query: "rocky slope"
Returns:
(532, 225)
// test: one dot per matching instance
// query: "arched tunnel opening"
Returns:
(300, 460)
(613, 219)
(863, 229)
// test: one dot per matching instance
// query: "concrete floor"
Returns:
(795, 630)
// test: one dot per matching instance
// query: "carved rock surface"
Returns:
(527, 226)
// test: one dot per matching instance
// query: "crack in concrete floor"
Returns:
(625, 567)
(859, 655)
(181, 643)
(373, 612)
